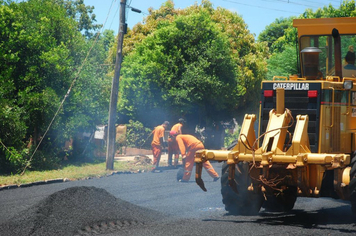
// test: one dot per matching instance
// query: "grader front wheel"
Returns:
(244, 202)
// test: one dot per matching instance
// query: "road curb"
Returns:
(62, 180)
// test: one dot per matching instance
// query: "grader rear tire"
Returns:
(352, 185)
(245, 202)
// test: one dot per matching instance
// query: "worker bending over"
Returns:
(190, 144)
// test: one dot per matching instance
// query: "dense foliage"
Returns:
(41, 54)
(275, 31)
(201, 63)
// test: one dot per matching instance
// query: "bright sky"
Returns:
(257, 14)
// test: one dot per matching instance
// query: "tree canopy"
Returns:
(41, 52)
(198, 62)
(275, 31)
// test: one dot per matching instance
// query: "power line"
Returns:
(67, 94)
(117, 9)
(136, 10)
(294, 3)
(322, 2)
(299, 4)
(107, 15)
(273, 9)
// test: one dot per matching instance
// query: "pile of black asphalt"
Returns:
(79, 211)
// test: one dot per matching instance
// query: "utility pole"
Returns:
(110, 150)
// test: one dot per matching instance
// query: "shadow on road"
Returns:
(331, 219)
(311, 219)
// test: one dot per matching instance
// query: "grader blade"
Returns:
(198, 179)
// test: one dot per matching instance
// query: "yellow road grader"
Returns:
(307, 129)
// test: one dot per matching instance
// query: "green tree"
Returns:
(33, 58)
(42, 51)
(82, 14)
(273, 32)
(10, 115)
(198, 62)
(283, 64)
(87, 105)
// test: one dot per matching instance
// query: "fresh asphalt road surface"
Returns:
(156, 204)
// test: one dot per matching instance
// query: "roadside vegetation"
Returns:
(74, 172)
(56, 67)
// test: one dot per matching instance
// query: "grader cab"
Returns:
(307, 129)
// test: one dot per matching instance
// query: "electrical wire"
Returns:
(275, 9)
(107, 15)
(295, 3)
(319, 3)
(117, 9)
(300, 4)
(263, 7)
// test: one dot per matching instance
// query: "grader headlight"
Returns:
(348, 84)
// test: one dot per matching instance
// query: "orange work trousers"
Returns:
(173, 149)
(156, 151)
(189, 164)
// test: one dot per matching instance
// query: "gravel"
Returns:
(79, 211)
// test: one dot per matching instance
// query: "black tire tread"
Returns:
(245, 202)
(282, 202)
(352, 185)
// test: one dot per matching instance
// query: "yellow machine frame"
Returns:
(309, 167)
(294, 163)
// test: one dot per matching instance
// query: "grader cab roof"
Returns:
(324, 26)
(330, 39)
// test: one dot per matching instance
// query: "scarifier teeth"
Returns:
(200, 182)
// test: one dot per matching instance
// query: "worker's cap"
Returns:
(181, 120)
(173, 133)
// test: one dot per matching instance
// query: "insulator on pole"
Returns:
(135, 10)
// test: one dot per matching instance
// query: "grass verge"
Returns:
(72, 172)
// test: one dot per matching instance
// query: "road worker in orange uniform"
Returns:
(157, 143)
(188, 145)
(173, 148)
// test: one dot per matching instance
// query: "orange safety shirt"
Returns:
(177, 128)
(186, 141)
(158, 133)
